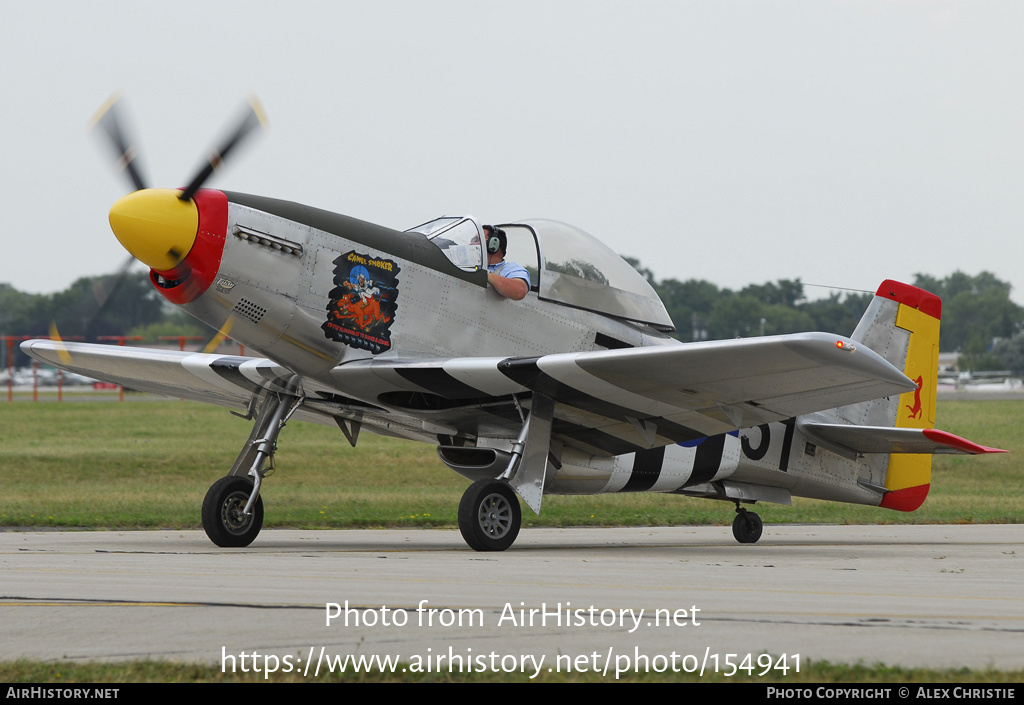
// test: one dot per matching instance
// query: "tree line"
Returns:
(91, 308)
(978, 318)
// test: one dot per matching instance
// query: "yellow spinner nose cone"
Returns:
(155, 226)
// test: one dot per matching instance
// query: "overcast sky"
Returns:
(840, 143)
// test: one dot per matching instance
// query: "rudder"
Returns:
(902, 325)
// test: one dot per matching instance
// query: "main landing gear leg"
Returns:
(233, 508)
(489, 513)
(747, 526)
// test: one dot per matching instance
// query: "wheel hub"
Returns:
(233, 515)
(495, 516)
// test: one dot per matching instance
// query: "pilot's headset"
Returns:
(497, 241)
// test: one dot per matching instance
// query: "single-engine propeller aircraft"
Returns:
(575, 389)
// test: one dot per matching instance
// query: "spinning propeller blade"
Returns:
(219, 336)
(107, 119)
(62, 350)
(84, 326)
(106, 289)
(252, 118)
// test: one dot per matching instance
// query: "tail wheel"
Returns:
(747, 526)
(224, 519)
(489, 515)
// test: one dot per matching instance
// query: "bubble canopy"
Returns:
(566, 265)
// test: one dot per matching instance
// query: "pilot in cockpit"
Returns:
(509, 279)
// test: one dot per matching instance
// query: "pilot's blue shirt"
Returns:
(510, 270)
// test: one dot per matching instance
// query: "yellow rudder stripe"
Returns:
(909, 476)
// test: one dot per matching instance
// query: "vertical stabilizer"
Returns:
(902, 325)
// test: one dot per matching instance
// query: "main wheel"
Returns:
(223, 517)
(747, 526)
(489, 515)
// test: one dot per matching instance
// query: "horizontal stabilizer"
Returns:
(847, 439)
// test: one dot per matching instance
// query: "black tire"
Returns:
(489, 515)
(747, 527)
(223, 519)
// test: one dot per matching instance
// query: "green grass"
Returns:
(149, 465)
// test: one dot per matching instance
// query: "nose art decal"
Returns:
(363, 302)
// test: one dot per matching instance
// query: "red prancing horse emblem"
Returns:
(915, 410)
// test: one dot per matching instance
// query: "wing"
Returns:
(219, 379)
(226, 380)
(606, 402)
(620, 401)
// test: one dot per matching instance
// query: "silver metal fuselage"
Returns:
(274, 285)
(277, 302)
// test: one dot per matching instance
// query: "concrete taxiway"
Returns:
(938, 596)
